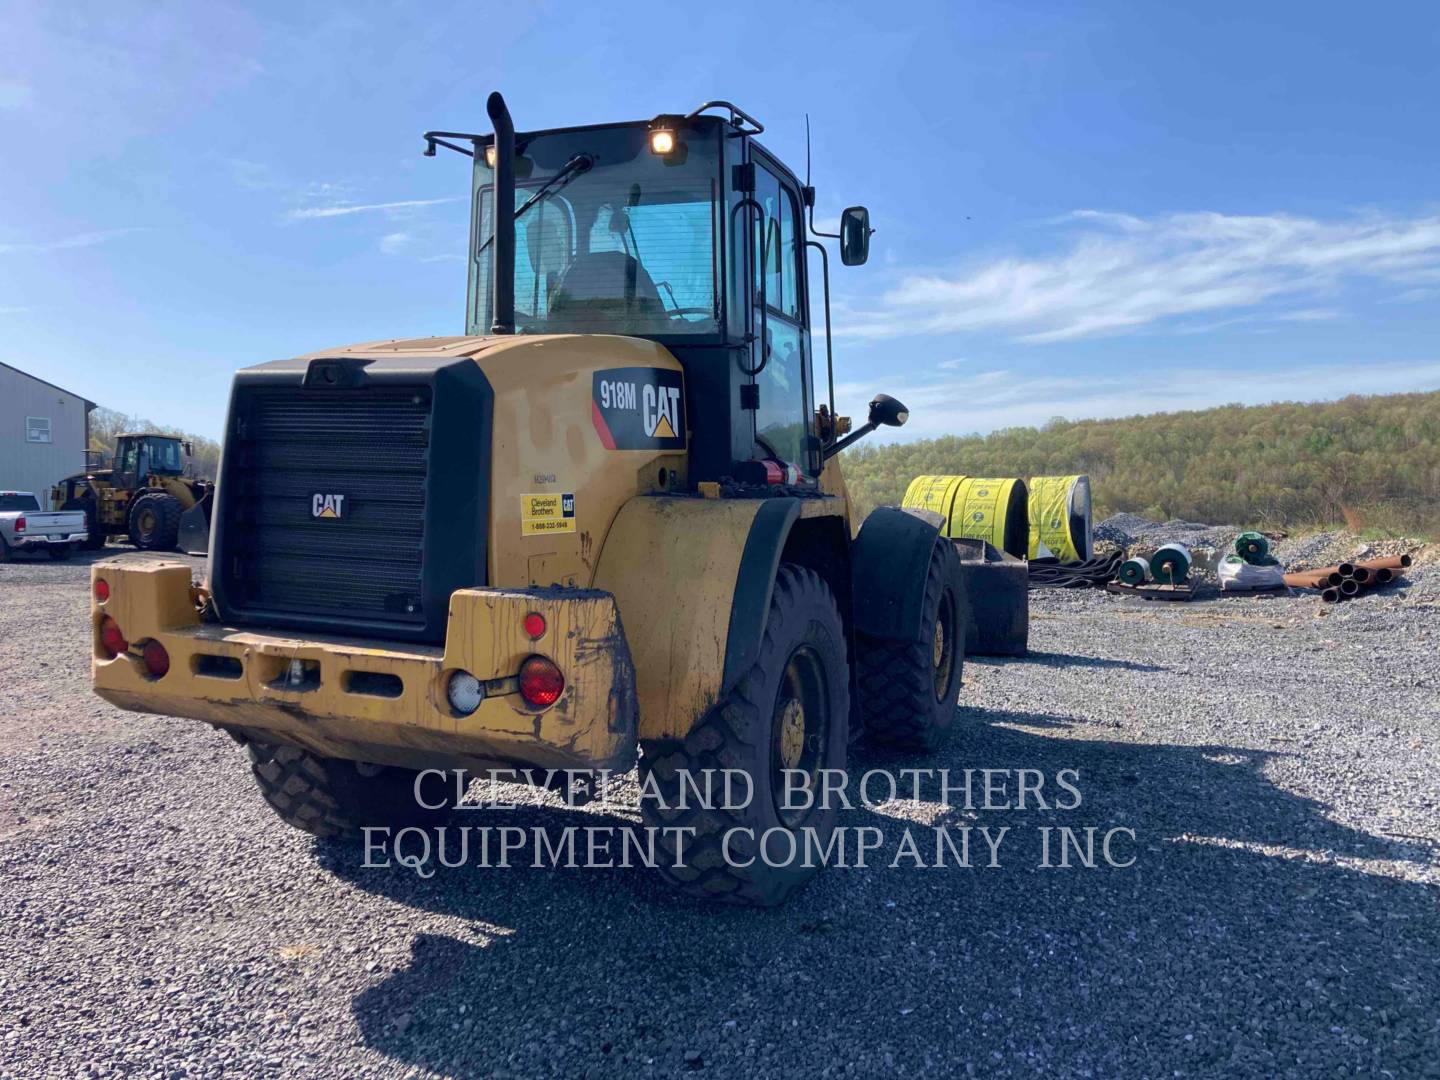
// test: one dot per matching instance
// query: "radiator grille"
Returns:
(369, 445)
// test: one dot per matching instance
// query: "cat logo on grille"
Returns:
(331, 507)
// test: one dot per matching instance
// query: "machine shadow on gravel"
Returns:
(1193, 956)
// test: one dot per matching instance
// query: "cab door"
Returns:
(782, 413)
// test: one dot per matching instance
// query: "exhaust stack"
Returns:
(503, 271)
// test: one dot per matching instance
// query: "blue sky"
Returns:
(1082, 209)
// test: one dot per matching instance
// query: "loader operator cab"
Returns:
(138, 457)
(683, 230)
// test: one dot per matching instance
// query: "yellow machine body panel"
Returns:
(636, 585)
(546, 445)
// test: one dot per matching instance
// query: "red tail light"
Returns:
(157, 660)
(541, 683)
(20, 524)
(111, 639)
(102, 590)
(534, 626)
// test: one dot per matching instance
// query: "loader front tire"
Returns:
(908, 689)
(155, 522)
(784, 719)
(335, 799)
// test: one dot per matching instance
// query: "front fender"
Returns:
(692, 578)
(890, 562)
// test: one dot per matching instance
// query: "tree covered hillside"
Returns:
(1366, 462)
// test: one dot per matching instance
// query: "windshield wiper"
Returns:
(580, 163)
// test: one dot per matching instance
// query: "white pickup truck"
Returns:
(25, 527)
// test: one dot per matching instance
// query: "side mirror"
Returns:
(887, 412)
(855, 235)
(189, 448)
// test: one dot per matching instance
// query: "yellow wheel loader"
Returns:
(144, 494)
(606, 525)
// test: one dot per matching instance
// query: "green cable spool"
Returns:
(1170, 565)
(1252, 547)
(1133, 572)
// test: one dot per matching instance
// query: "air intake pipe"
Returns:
(504, 267)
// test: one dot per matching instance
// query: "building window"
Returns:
(37, 429)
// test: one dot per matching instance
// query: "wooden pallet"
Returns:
(1152, 592)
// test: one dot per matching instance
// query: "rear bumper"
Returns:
(383, 703)
(35, 542)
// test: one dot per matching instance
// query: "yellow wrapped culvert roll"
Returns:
(1060, 518)
(992, 509)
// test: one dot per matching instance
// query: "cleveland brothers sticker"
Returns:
(639, 408)
(542, 512)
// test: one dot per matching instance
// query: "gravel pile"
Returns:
(1275, 758)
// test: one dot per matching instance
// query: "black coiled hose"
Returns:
(1092, 573)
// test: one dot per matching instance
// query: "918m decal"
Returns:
(639, 408)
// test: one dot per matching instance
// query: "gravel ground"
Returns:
(1276, 760)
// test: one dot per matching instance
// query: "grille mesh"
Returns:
(370, 445)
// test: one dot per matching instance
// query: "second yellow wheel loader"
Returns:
(144, 495)
(604, 525)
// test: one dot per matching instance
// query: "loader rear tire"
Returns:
(908, 689)
(155, 522)
(788, 712)
(331, 798)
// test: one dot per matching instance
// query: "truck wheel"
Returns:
(908, 689)
(330, 798)
(787, 715)
(4, 550)
(155, 522)
(59, 552)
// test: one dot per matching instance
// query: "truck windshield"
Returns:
(14, 500)
(626, 246)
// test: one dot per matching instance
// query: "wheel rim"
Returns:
(146, 520)
(943, 656)
(799, 728)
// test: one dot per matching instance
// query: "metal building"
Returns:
(44, 432)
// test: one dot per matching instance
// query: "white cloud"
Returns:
(988, 400)
(394, 243)
(313, 212)
(951, 365)
(80, 240)
(1125, 272)
(1310, 315)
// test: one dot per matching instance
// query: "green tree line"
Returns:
(1363, 462)
(106, 424)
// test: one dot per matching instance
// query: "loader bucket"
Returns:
(195, 527)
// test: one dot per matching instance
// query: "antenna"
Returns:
(807, 149)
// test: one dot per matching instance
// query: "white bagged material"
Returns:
(1236, 575)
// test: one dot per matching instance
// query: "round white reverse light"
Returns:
(465, 692)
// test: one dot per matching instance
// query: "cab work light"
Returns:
(662, 141)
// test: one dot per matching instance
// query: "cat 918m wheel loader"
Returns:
(606, 524)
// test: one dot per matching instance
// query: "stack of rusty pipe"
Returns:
(1348, 580)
